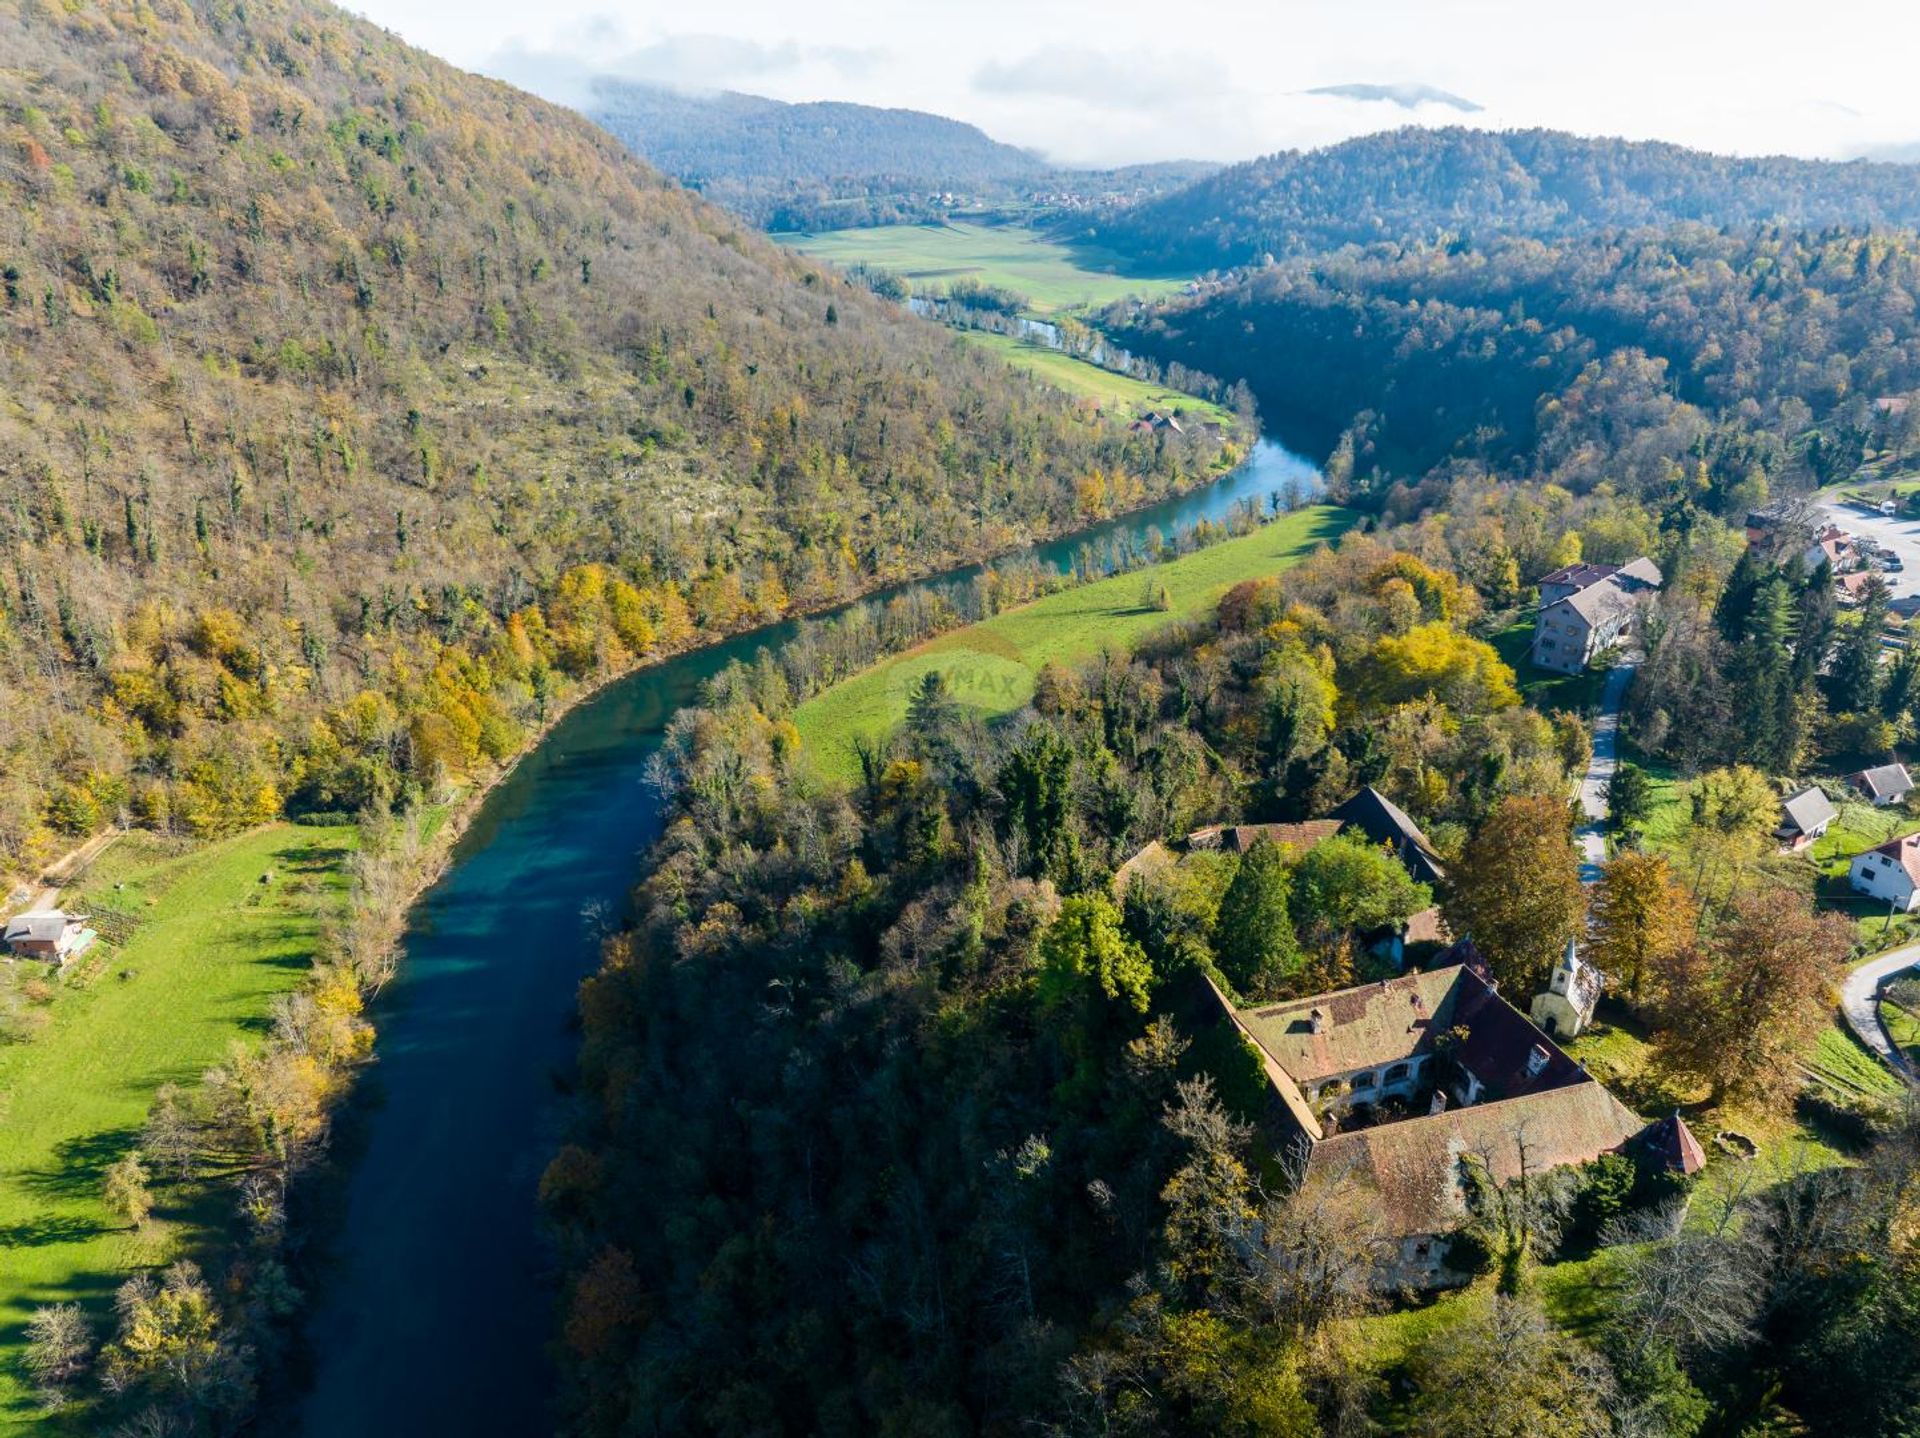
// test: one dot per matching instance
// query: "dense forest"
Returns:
(828, 165)
(1761, 352)
(354, 407)
(1467, 186)
(894, 1118)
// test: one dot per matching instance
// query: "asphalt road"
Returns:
(1860, 1001)
(1593, 784)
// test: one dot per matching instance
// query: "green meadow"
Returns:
(991, 665)
(1084, 380)
(204, 948)
(1050, 275)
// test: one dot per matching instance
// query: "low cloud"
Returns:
(1407, 96)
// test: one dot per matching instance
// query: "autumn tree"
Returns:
(1734, 809)
(1253, 938)
(125, 1190)
(1434, 661)
(1737, 1010)
(1516, 891)
(59, 1347)
(1085, 955)
(1641, 916)
(1508, 1372)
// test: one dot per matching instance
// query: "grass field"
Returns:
(1083, 380)
(991, 665)
(1050, 275)
(207, 946)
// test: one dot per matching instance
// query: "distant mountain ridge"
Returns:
(737, 136)
(1416, 184)
(831, 164)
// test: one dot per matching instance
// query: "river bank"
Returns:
(433, 1315)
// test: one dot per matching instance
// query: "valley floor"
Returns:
(198, 944)
(991, 665)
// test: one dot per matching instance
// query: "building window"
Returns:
(1361, 1081)
(1397, 1074)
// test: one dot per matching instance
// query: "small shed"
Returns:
(48, 934)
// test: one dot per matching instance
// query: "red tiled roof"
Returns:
(1904, 851)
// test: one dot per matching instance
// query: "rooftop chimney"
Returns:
(1317, 1021)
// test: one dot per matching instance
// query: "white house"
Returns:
(1890, 873)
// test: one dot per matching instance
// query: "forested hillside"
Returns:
(832, 165)
(893, 1119)
(351, 407)
(1621, 356)
(1463, 186)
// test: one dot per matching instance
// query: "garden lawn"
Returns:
(1050, 276)
(1542, 688)
(1903, 1028)
(207, 947)
(1084, 380)
(992, 665)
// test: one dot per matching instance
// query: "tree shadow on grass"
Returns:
(49, 1229)
(82, 1164)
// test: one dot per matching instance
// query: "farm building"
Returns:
(48, 934)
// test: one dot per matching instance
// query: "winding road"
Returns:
(1860, 1002)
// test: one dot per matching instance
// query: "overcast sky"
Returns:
(1122, 80)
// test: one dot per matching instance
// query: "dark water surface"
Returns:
(435, 1315)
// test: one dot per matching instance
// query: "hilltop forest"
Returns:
(827, 165)
(1471, 186)
(352, 408)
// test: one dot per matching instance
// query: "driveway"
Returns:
(1860, 1002)
(1900, 534)
(1593, 784)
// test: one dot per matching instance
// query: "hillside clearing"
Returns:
(991, 665)
(207, 947)
(1082, 379)
(1049, 275)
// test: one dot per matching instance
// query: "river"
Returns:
(434, 1316)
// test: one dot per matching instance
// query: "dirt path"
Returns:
(65, 870)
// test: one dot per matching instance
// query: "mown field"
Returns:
(1051, 276)
(1081, 379)
(207, 947)
(992, 665)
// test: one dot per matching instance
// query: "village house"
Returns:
(1833, 547)
(1587, 608)
(1850, 589)
(1565, 1007)
(1883, 785)
(1889, 873)
(48, 934)
(1804, 817)
(1412, 1085)
(1153, 422)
